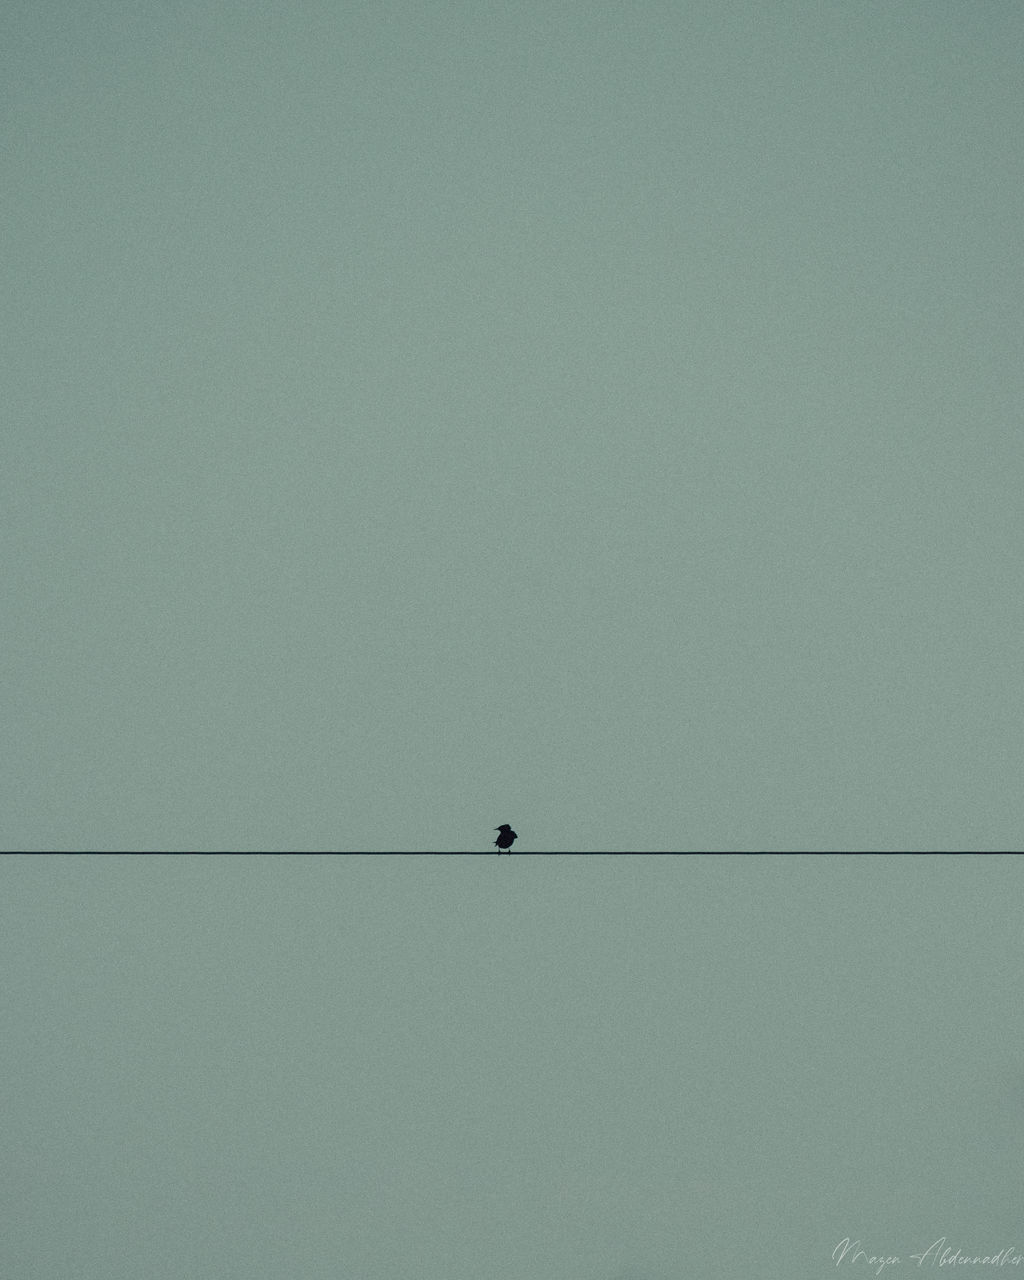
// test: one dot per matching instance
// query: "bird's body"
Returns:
(505, 836)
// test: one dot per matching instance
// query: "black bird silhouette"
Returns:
(505, 836)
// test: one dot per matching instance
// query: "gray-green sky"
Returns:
(603, 418)
(564, 1068)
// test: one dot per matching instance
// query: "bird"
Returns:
(505, 836)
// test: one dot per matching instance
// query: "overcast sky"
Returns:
(483, 1068)
(603, 418)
